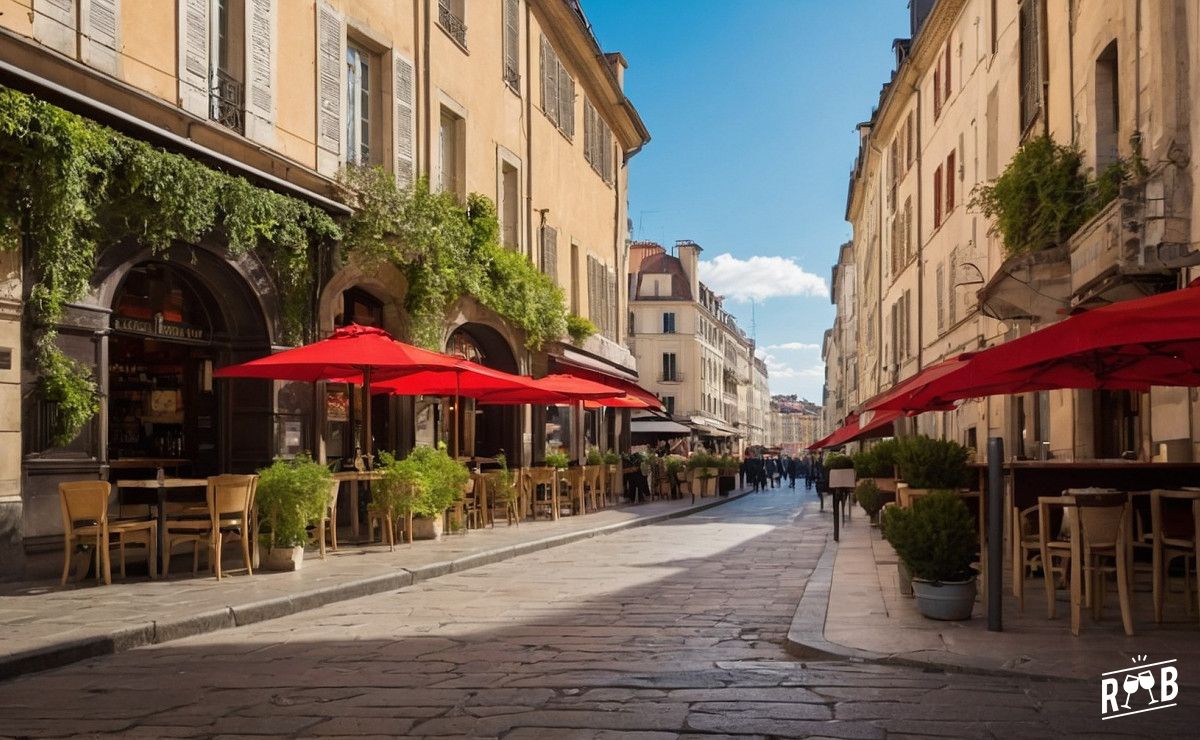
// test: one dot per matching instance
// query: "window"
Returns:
(632, 324)
(450, 155)
(550, 252)
(906, 316)
(669, 403)
(669, 322)
(894, 160)
(909, 151)
(941, 298)
(946, 76)
(668, 367)
(951, 176)
(909, 252)
(1108, 108)
(1029, 27)
(510, 206)
(362, 106)
(450, 18)
(558, 91)
(226, 99)
(898, 233)
(512, 45)
(995, 44)
(937, 197)
(602, 297)
(576, 288)
(937, 91)
(597, 142)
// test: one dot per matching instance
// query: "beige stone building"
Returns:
(514, 99)
(976, 81)
(795, 423)
(690, 350)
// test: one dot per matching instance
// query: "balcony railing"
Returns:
(226, 101)
(451, 23)
(670, 378)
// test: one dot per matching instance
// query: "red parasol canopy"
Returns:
(553, 389)
(345, 356)
(622, 402)
(631, 391)
(1130, 345)
(470, 379)
(856, 427)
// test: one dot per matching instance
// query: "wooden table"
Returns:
(354, 477)
(161, 488)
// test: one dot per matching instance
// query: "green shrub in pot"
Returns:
(594, 457)
(401, 487)
(444, 477)
(292, 495)
(927, 463)
(936, 540)
(612, 457)
(867, 495)
(838, 461)
(558, 460)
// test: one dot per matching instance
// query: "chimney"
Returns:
(688, 252)
(618, 65)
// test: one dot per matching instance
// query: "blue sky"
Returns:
(752, 106)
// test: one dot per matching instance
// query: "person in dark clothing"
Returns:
(772, 470)
(636, 485)
(756, 472)
(793, 471)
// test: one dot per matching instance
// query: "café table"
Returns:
(160, 487)
(354, 477)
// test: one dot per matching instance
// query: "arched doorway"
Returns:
(173, 321)
(486, 430)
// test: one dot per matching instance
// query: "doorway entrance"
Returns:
(485, 430)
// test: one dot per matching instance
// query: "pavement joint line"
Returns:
(153, 632)
(806, 639)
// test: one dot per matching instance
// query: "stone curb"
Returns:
(806, 635)
(125, 638)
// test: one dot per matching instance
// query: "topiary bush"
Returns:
(936, 537)
(867, 495)
(401, 486)
(838, 461)
(925, 462)
(444, 479)
(292, 495)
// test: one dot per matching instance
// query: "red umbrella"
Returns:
(622, 402)
(1130, 345)
(867, 424)
(353, 354)
(553, 389)
(469, 379)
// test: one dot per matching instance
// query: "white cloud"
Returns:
(798, 346)
(777, 370)
(760, 278)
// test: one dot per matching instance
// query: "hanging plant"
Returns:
(1044, 196)
(447, 251)
(73, 187)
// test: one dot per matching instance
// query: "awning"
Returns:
(657, 426)
(897, 398)
(711, 427)
(586, 362)
(632, 389)
(867, 424)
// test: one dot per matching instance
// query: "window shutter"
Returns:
(937, 197)
(953, 297)
(260, 70)
(404, 88)
(550, 252)
(949, 87)
(512, 43)
(194, 56)
(606, 155)
(951, 173)
(331, 53)
(549, 81)
(937, 91)
(612, 301)
(566, 102)
(941, 293)
(54, 23)
(100, 28)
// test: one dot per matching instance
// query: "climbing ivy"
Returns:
(73, 187)
(1044, 196)
(446, 250)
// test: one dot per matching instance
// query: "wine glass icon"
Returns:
(1146, 680)
(1130, 685)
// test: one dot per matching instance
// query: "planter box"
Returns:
(905, 578)
(427, 528)
(285, 558)
(948, 600)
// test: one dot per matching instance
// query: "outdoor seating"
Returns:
(466, 509)
(590, 491)
(499, 499)
(85, 514)
(1175, 525)
(386, 520)
(1026, 550)
(230, 512)
(539, 485)
(328, 523)
(570, 493)
(1056, 516)
(1102, 534)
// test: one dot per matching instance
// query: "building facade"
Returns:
(976, 82)
(512, 99)
(690, 350)
(795, 423)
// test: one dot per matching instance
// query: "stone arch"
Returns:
(385, 282)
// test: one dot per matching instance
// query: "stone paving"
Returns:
(672, 630)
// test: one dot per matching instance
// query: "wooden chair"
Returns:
(570, 492)
(590, 490)
(544, 479)
(1175, 529)
(230, 512)
(1055, 544)
(466, 509)
(501, 497)
(1103, 533)
(1026, 549)
(328, 523)
(85, 514)
(386, 520)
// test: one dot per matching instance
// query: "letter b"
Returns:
(1168, 682)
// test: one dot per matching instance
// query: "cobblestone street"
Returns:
(662, 631)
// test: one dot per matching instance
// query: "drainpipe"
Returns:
(529, 133)
(920, 243)
(428, 93)
(1071, 66)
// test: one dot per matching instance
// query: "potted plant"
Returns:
(676, 468)
(557, 459)
(292, 496)
(612, 469)
(879, 464)
(703, 467)
(927, 464)
(868, 496)
(937, 541)
(594, 457)
(729, 472)
(400, 488)
(445, 480)
(895, 524)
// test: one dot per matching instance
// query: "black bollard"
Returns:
(837, 514)
(995, 549)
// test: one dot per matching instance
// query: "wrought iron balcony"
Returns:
(226, 101)
(451, 23)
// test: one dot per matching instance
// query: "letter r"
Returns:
(1108, 695)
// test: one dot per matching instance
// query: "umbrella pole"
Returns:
(367, 417)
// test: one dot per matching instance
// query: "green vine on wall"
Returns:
(1044, 196)
(446, 251)
(73, 187)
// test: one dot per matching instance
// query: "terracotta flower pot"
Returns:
(285, 558)
(427, 527)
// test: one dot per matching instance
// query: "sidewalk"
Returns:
(852, 607)
(43, 625)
